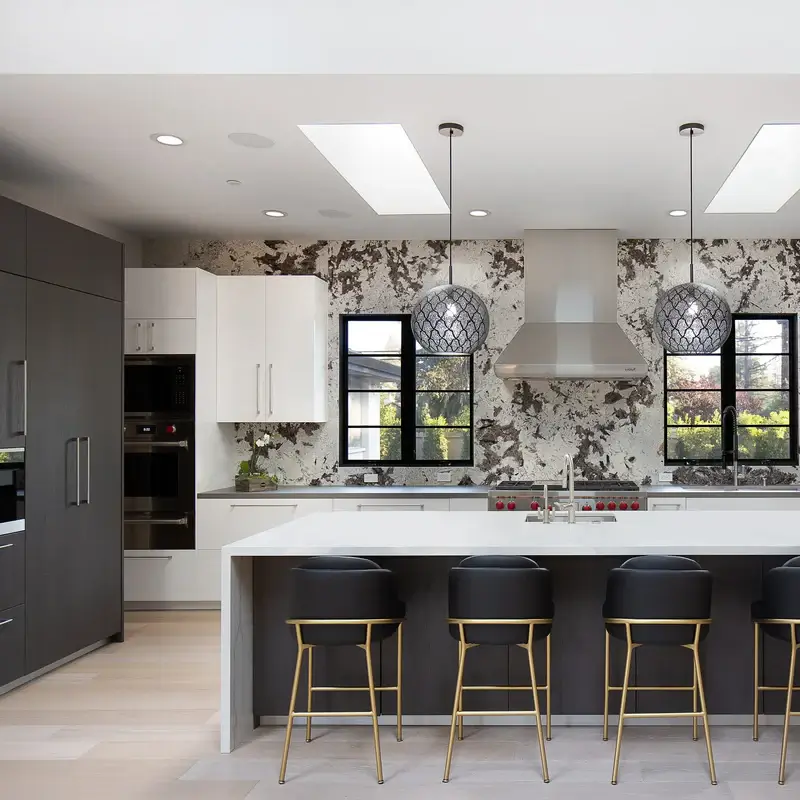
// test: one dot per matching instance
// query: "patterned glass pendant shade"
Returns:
(692, 318)
(450, 319)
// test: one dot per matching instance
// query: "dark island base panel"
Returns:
(430, 658)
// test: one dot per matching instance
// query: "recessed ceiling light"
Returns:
(233, 182)
(479, 212)
(167, 139)
(379, 161)
(333, 213)
(678, 212)
(766, 176)
(251, 140)
(273, 212)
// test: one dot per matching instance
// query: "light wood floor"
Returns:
(139, 720)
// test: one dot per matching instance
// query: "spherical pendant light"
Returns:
(450, 319)
(692, 318)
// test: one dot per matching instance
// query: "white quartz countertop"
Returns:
(462, 533)
(15, 526)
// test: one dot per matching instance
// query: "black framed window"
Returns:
(399, 405)
(755, 371)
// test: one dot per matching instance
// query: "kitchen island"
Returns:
(258, 648)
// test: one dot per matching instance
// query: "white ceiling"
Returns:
(539, 151)
(400, 36)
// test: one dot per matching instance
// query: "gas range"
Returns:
(589, 496)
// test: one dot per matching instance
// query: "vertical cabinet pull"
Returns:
(77, 441)
(138, 337)
(151, 326)
(88, 470)
(258, 390)
(270, 389)
(23, 416)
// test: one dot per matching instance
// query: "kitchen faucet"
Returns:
(569, 481)
(725, 411)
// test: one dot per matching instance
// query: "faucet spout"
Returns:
(569, 482)
(732, 410)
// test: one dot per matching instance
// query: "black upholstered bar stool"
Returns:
(500, 600)
(658, 600)
(339, 601)
(778, 615)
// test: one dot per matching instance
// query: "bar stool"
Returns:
(778, 614)
(500, 600)
(658, 600)
(339, 601)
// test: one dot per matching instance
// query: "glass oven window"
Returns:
(159, 389)
(154, 475)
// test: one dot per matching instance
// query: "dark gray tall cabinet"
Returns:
(64, 330)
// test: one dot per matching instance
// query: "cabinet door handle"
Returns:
(5, 622)
(150, 558)
(270, 389)
(667, 506)
(152, 328)
(6, 546)
(138, 337)
(263, 505)
(25, 397)
(420, 506)
(88, 500)
(258, 390)
(77, 441)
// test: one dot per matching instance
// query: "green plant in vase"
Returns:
(252, 476)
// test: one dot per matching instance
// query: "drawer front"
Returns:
(12, 570)
(666, 504)
(12, 644)
(176, 576)
(365, 504)
(220, 521)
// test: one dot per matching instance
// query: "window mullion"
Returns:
(408, 380)
(728, 387)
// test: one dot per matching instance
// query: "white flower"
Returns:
(260, 443)
(265, 440)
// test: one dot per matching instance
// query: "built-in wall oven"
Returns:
(159, 453)
(12, 490)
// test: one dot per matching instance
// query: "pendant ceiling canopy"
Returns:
(450, 319)
(692, 318)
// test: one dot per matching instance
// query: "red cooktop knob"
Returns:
(171, 429)
(549, 508)
(499, 505)
(612, 505)
(600, 506)
(586, 508)
(511, 505)
(635, 505)
(623, 506)
(534, 506)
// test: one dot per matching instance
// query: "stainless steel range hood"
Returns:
(570, 329)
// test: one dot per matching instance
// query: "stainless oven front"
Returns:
(12, 490)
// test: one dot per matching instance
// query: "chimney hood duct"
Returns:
(570, 330)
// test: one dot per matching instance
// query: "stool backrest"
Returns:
(781, 598)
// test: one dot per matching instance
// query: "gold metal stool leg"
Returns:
(694, 702)
(462, 653)
(787, 720)
(622, 705)
(756, 677)
(460, 705)
(539, 732)
(301, 648)
(547, 693)
(699, 675)
(607, 679)
(373, 705)
(400, 683)
(310, 691)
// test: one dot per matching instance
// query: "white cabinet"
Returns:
(161, 293)
(666, 503)
(221, 521)
(743, 503)
(160, 336)
(365, 504)
(469, 503)
(173, 576)
(272, 349)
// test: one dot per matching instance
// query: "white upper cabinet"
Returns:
(160, 336)
(272, 340)
(161, 293)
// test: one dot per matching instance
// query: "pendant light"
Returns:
(450, 319)
(692, 318)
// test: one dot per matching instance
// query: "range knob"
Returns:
(599, 506)
(635, 505)
(534, 506)
(623, 506)
(511, 505)
(612, 505)
(499, 505)
(586, 508)
(171, 429)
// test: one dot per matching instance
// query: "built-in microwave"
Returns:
(159, 386)
(12, 487)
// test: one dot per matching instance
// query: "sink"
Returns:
(581, 518)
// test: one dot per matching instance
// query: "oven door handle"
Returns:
(182, 521)
(184, 444)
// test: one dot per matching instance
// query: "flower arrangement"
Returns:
(252, 476)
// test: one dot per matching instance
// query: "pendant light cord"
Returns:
(450, 137)
(691, 205)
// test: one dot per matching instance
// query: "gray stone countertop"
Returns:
(684, 490)
(311, 492)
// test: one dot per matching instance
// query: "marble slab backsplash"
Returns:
(614, 429)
